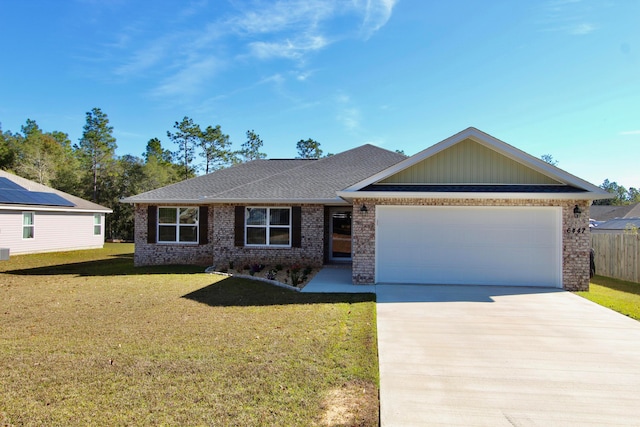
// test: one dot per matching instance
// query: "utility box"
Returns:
(4, 254)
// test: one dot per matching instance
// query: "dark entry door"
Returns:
(340, 235)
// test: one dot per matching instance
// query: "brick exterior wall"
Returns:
(309, 254)
(221, 249)
(576, 238)
(167, 253)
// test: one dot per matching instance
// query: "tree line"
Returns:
(619, 194)
(90, 168)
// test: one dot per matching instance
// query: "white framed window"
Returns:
(28, 225)
(177, 224)
(97, 224)
(266, 226)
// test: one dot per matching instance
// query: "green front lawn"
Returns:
(618, 295)
(87, 339)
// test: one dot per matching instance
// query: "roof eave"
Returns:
(41, 208)
(211, 201)
(350, 195)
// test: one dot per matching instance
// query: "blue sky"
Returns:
(559, 77)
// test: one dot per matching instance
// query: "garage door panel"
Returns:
(468, 245)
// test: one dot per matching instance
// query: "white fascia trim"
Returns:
(350, 195)
(51, 209)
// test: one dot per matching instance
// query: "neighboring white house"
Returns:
(36, 218)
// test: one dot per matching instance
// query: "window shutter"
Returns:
(239, 226)
(296, 227)
(203, 225)
(152, 222)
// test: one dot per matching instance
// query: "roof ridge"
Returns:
(288, 171)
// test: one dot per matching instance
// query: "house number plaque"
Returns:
(576, 230)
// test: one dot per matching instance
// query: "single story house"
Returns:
(468, 210)
(617, 226)
(36, 218)
(601, 213)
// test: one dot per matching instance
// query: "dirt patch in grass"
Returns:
(353, 404)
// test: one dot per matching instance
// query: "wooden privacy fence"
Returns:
(617, 255)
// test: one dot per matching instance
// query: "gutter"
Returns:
(350, 195)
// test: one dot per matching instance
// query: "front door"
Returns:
(340, 234)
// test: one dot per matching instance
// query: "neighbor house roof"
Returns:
(17, 193)
(618, 224)
(607, 212)
(473, 164)
(284, 181)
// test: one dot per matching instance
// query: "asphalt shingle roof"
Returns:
(607, 212)
(278, 180)
(618, 224)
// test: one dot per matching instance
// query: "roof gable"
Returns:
(472, 163)
(468, 162)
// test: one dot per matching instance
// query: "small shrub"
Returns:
(271, 274)
(307, 270)
(257, 267)
(294, 273)
(278, 267)
(230, 265)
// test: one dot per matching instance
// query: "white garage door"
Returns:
(512, 246)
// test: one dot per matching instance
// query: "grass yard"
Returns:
(87, 339)
(618, 295)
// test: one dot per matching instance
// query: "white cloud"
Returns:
(348, 114)
(630, 132)
(188, 55)
(144, 59)
(376, 14)
(193, 8)
(268, 17)
(188, 80)
(569, 16)
(581, 29)
(350, 118)
(303, 75)
(291, 49)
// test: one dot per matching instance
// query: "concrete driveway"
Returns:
(503, 356)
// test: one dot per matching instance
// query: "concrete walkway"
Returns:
(502, 356)
(336, 279)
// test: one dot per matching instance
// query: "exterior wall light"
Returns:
(364, 208)
(577, 211)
